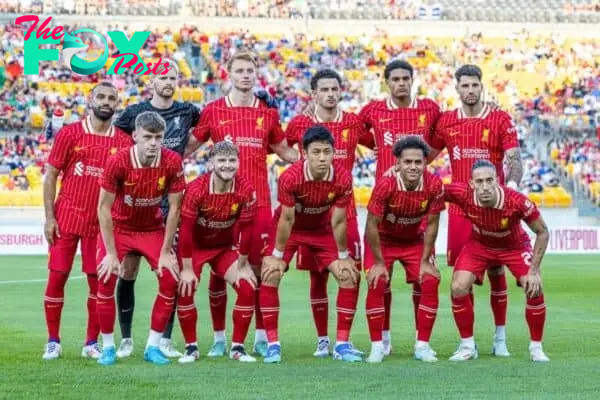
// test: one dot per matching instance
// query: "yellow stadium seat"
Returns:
(536, 198)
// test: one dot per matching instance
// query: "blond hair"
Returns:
(244, 55)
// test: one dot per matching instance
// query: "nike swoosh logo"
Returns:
(303, 196)
(79, 148)
(451, 134)
(129, 183)
(205, 209)
(540, 313)
(428, 316)
(395, 205)
(224, 122)
(385, 120)
(459, 310)
(127, 309)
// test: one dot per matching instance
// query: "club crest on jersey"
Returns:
(330, 196)
(161, 183)
(345, 135)
(485, 135)
(504, 223)
(234, 208)
(422, 120)
(424, 204)
(176, 121)
(260, 122)
(113, 151)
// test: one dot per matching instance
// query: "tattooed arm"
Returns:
(542, 237)
(512, 157)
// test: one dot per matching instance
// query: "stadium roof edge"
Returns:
(332, 27)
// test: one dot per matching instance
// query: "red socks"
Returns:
(188, 317)
(269, 305)
(346, 308)
(319, 301)
(242, 311)
(54, 299)
(462, 308)
(217, 299)
(535, 314)
(164, 303)
(375, 305)
(498, 298)
(106, 307)
(416, 298)
(93, 326)
(258, 316)
(387, 301)
(427, 308)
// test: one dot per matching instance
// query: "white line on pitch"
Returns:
(36, 280)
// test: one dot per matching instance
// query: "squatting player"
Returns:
(132, 186)
(314, 195)
(212, 206)
(348, 132)
(395, 232)
(497, 238)
(249, 123)
(400, 115)
(471, 132)
(80, 151)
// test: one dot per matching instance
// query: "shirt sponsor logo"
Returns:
(479, 154)
(388, 139)
(141, 202)
(490, 233)
(392, 218)
(87, 170)
(216, 224)
(311, 210)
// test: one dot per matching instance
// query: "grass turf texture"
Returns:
(571, 341)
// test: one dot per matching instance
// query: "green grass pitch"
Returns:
(572, 340)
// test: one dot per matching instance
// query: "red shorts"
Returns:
(477, 258)
(260, 232)
(408, 254)
(219, 259)
(146, 244)
(321, 245)
(459, 234)
(62, 253)
(306, 261)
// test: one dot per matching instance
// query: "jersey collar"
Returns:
(229, 102)
(499, 205)
(337, 119)
(88, 130)
(485, 111)
(392, 106)
(211, 185)
(308, 176)
(137, 164)
(402, 187)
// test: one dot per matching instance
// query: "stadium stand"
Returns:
(546, 82)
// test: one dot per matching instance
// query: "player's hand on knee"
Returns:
(51, 230)
(375, 273)
(345, 271)
(245, 272)
(533, 283)
(109, 265)
(169, 262)
(428, 267)
(272, 268)
(187, 282)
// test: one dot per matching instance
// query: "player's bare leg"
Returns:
(319, 303)
(348, 278)
(54, 299)
(462, 308)
(126, 302)
(535, 315)
(499, 304)
(272, 272)
(217, 300)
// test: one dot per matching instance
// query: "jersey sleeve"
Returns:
(527, 208)
(202, 128)
(379, 198)
(437, 197)
(292, 132)
(249, 206)
(455, 193)
(113, 175)
(276, 134)
(508, 133)
(195, 118)
(435, 139)
(345, 192)
(365, 116)
(285, 191)
(176, 177)
(191, 200)
(126, 121)
(365, 137)
(61, 150)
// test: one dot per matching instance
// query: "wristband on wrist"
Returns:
(277, 253)
(342, 255)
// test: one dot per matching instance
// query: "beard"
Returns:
(103, 114)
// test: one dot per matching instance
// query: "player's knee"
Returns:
(271, 277)
(129, 273)
(460, 287)
(348, 280)
(167, 285)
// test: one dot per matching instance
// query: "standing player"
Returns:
(391, 119)
(477, 132)
(80, 151)
(212, 206)
(253, 127)
(395, 232)
(314, 196)
(138, 178)
(348, 132)
(180, 117)
(497, 238)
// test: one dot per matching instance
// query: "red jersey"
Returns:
(139, 189)
(348, 132)
(497, 227)
(252, 129)
(391, 123)
(484, 137)
(402, 210)
(313, 199)
(215, 214)
(81, 156)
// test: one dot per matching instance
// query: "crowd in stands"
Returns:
(542, 81)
